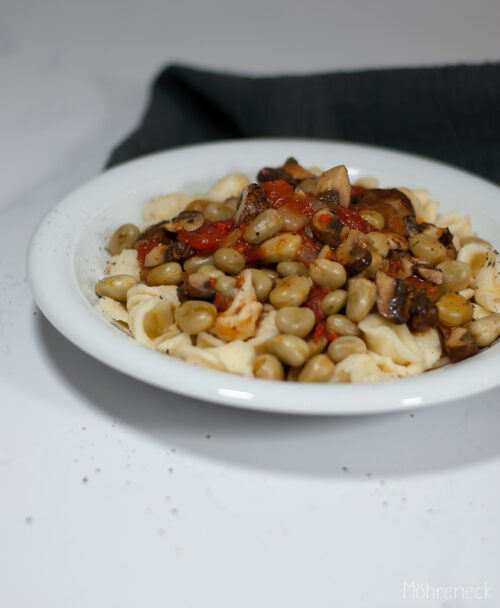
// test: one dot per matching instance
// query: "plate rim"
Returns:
(222, 387)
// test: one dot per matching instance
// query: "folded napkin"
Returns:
(447, 113)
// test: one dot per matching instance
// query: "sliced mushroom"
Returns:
(411, 224)
(196, 286)
(458, 343)
(335, 180)
(298, 172)
(424, 314)
(178, 251)
(330, 198)
(326, 227)
(392, 298)
(396, 242)
(406, 268)
(353, 253)
(390, 196)
(372, 200)
(443, 235)
(429, 273)
(270, 174)
(186, 220)
(252, 201)
(291, 172)
(156, 233)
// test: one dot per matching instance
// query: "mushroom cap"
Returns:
(458, 343)
(252, 201)
(188, 220)
(327, 227)
(392, 298)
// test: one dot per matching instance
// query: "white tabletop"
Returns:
(114, 493)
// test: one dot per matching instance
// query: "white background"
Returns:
(113, 493)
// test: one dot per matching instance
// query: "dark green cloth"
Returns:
(448, 113)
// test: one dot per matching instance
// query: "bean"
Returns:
(485, 330)
(193, 263)
(123, 237)
(333, 301)
(198, 204)
(454, 310)
(344, 346)
(318, 346)
(327, 273)
(156, 256)
(269, 367)
(217, 212)
(263, 227)
(295, 320)
(290, 350)
(226, 285)
(427, 248)
(229, 260)
(165, 274)
(210, 271)
(318, 369)
(262, 284)
(293, 221)
(341, 325)
(272, 274)
(279, 248)
(456, 275)
(290, 291)
(361, 297)
(374, 218)
(195, 316)
(309, 185)
(115, 286)
(290, 267)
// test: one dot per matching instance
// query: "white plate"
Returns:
(67, 256)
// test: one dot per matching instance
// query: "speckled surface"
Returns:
(114, 493)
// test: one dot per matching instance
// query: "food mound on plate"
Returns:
(304, 277)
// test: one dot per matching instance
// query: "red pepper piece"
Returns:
(350, 217)
(314, 300)
(319, 331)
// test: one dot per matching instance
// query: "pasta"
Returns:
(262, 279)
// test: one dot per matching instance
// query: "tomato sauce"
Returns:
(208, 237)
(281, 194)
